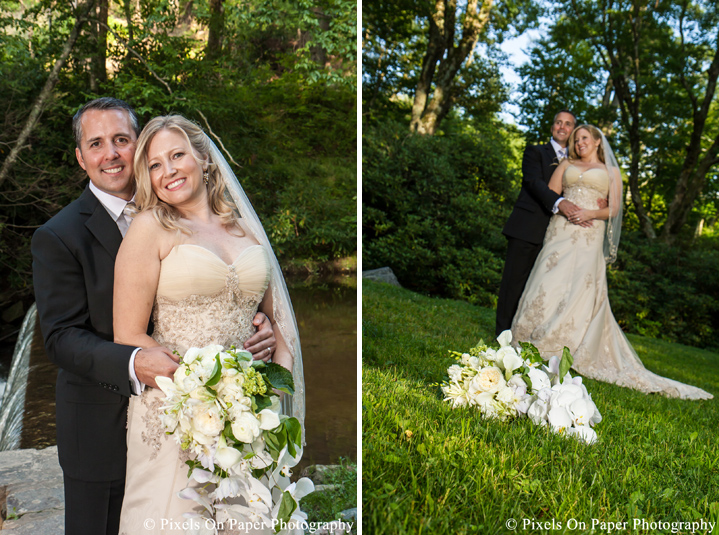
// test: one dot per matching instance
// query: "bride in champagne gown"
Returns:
(565, 301)
(203, 273)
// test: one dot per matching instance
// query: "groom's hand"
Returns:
(568, 208)
(154, 361)
(263, 343)
(571, 211)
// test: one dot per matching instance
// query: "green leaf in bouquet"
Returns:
(287, 507)
(565, 363)
(228, 432)
(274, 442)
(531, 352)
(262, 402)
(528, 381)
(279, 377)
(294, 430)
(216, 372)
(192, 463)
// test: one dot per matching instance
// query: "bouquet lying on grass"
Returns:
(221, 407)
(506, 383)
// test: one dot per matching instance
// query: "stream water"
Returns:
(326, 313)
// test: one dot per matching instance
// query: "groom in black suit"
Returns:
(73, 274)
(528, 222)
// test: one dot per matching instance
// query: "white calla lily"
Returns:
(505, 338)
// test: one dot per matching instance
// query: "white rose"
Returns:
(465, 359)
(537, 412)
(207, 422)
(246, 427)
(490, 379)
(539, 379)
(507, 396)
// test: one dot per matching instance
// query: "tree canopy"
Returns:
(274, 81)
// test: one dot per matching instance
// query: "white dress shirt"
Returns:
(561, 153)
(115, 206)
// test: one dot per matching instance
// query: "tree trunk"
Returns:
(217, 27)
(693, 174)
(45, 93)
(428, 113)
(98, 72)
(317, 53)
(127, 7)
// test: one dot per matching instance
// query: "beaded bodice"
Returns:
(583, 188)
(202, 300)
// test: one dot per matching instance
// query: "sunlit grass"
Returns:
(430, 469)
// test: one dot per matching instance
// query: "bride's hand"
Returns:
(582, 217)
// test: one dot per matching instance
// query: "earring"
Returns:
(206, 177)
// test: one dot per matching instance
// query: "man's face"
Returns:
(106, 151)
(562, 127)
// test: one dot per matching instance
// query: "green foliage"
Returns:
(293, 136)
(340, 495)
(594, 52)
(667, 292)
(432, 469)
(433, 207)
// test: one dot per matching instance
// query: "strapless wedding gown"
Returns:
(200, 301)
(565, 301)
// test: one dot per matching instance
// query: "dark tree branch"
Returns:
(45, 93)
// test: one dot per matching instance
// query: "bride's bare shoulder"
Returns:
(246, 231)
(147, 231)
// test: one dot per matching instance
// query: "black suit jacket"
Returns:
(531, 213)
(73, 274)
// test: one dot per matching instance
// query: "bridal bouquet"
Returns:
(508, 383)
(221, 408)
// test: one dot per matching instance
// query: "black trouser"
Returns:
(93, 507)
(520, 260)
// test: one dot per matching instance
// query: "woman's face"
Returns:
(584, 144)
(175, 175)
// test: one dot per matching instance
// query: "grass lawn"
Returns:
(430, 469)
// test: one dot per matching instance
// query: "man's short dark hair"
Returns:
(103, 103)
(565, 111)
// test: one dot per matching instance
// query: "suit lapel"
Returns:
(99, 223)
(550, 159)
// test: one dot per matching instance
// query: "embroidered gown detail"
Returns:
(200, 300)
(565, 300)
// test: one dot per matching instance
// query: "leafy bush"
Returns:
(434, 206)
(667, 292)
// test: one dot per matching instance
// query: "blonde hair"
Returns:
(146, 199)
(595, 133)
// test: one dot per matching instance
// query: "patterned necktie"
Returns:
(128, 213)
(562, 154)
